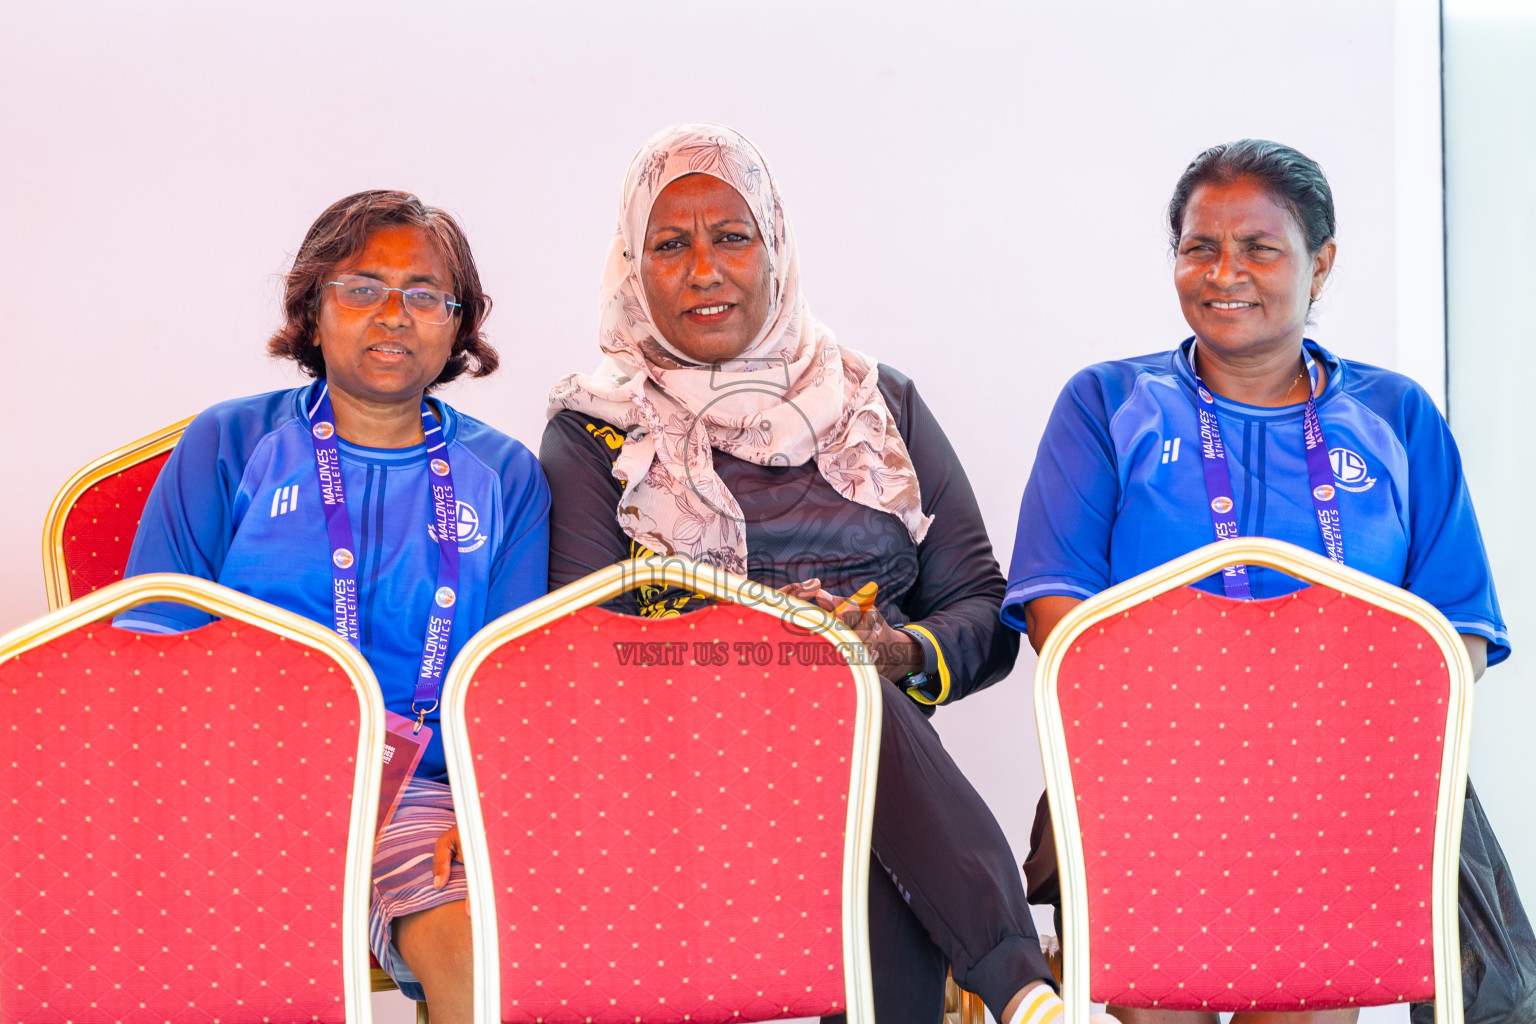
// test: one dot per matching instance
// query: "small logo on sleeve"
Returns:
(1350, 471)
(1170, 451)
(284, 500)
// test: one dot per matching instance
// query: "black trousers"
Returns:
(944, 890)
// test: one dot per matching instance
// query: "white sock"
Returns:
(1039, 1006)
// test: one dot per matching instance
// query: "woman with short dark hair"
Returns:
(339, 235)
(427, 522)
(1301, 437)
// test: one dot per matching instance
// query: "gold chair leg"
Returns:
(972, 1009)
(962, 1007)
(951, 1002)
(380, 981)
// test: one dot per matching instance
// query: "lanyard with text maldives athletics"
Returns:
(322, 431)
(1218, 477)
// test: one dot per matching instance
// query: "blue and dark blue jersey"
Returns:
(1117, 487)
(238, 502)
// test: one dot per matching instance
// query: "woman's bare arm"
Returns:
(1477, 650)
(1042, 614)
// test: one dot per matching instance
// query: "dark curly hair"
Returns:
(338, 236)
(1292, 177)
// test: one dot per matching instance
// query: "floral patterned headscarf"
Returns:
(793, 395)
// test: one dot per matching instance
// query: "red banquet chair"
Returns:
(1257, 804)
(663, 832)
(89, 531)
(91, 523)
(187, 819)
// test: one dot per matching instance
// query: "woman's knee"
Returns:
(436, 945)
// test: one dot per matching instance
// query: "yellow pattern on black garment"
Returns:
(614, 439)
(663, 602)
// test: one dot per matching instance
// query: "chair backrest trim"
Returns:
(1312, 568)
(597, 588)
(230, 604)
(55, 572)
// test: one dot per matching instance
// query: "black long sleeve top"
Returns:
(949, 587)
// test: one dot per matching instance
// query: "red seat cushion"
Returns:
(665, 826)
(99, 528)
(1256, 786)
(174, 827)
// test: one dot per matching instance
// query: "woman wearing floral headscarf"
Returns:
(728, 425)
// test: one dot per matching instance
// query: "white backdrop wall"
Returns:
(978, 192)
(1490, 135)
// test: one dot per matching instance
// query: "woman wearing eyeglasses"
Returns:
(427, 521)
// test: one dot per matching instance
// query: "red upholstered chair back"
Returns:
(181, 836)
(675, 812)
(1263, 792)
(90, 526)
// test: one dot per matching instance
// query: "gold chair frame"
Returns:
(230, 604)
(604, 585)
(1311, 568)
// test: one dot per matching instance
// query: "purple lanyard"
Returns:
(1218, 478)
(434, 654)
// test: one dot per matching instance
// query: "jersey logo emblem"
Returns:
(470, 538)
(614, 439)
(1170, 451)
(284, 500)
(1350, 471)
(1221, 505)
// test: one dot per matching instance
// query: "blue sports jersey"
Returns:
(238, 502)
(1117, 488)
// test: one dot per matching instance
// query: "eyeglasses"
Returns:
(427, 305)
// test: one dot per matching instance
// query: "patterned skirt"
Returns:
(402, 873)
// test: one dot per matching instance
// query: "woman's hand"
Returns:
(893, 653)
(805, 591)
(444, 854)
